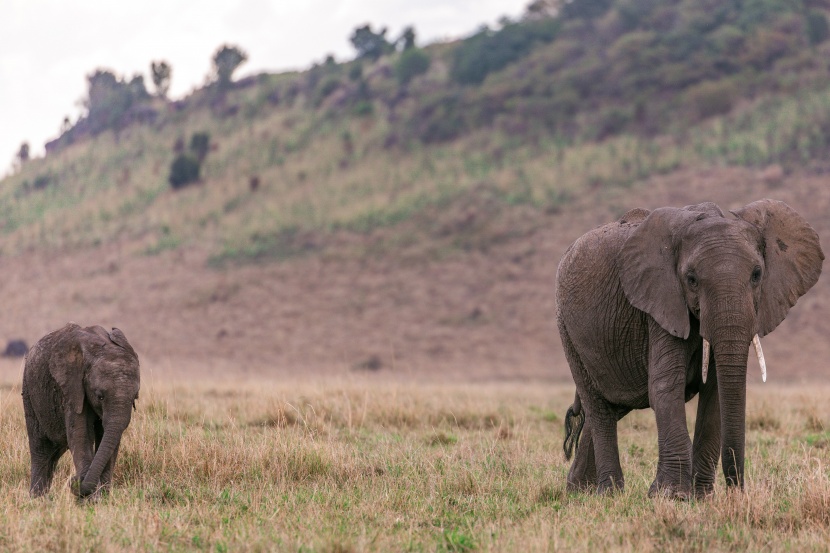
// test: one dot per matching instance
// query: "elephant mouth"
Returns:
(756, 341)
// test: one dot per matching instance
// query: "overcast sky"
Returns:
(47, 47)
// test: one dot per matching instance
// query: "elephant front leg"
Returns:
(667, 384)
(706, 448)
(81, 437)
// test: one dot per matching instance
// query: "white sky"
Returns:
(47, 47)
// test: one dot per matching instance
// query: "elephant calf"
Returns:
(79, 388)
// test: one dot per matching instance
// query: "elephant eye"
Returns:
(691, 279)
(100, 396)
(756, 275)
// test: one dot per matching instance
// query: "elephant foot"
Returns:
(610, 486)
(704, 491)
(75, 485)
(581, 485)
(669, 491)
(83, 489)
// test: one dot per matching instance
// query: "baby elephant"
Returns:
(79, 388)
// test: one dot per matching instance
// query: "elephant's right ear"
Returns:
(119, 339)
(647, 265)
(67, 365)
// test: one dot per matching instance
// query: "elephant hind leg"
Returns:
(45, 457)
(597, 459)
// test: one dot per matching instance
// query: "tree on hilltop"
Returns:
(110, 98)
(369, 44)
(161, 77)
(407, 39)
(569, 9)
(226, 60)
(23, 153)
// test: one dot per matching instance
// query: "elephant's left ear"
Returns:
(792, 255)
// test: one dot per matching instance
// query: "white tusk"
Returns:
(705, 359)
(757, 341)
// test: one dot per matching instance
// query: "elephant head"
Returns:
(97, 370)
(738, 276)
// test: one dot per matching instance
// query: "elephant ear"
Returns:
(67, 365)
(120, 340)
(792, 254)
(647, 266)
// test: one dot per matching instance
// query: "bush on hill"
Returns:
(183, 171)
(413, 62)
(488, 51)
(110, 99)
(593, 69)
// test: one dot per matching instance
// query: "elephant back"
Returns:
(634, 216)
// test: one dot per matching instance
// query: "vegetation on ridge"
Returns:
(573, 96)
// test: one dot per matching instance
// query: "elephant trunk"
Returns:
(731, 359)
(109, 444)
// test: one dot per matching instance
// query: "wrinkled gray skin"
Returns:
(635, 298)
(79, 390)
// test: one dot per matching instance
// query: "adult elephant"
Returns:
(662, 305)
(79, 389)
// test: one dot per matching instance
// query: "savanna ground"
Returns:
(368, 465)
(409, 399)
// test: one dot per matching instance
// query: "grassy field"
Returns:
(366, 466)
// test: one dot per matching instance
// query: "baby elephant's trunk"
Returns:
(574, 420)
(104, 455)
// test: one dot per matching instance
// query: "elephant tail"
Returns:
(574, 420)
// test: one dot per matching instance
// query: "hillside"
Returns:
(347, 220)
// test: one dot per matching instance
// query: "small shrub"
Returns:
(712, 98)
(200, 145)
(413, 62)
(363, 108)
(16, 348)
(817, 28)
(42, 181)
(613, 121)
(183, 171)
(326, 88)
(356, 72)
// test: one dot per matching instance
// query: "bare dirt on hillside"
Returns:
(479, 315)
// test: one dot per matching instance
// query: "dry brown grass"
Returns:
(370, 466)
